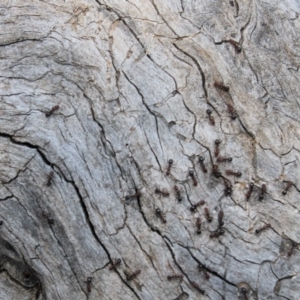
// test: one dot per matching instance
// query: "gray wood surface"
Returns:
(103, 94)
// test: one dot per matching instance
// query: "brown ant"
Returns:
(175, 276)
(217, 233)
(163, 192)
(51, 111)
(160, 215)
(221, 86)
(192, 174)
(197, 287)
(170, 163)
(131, 276)
(130, 197)
(232, 173)
(293, 246)
(50, 178)
(220, 218)
(207, 214)
(48, 218)
(217, 149)
(198, 225)
(115, 264)
(216, 172)
(202, 269)
(201, 161)
(178, 193)
(228, 187)
(258, 231)
(89, 284)
(263, 192)
(210, 117)
(221, 159)
(289, 184)
(248, 194)
(232, 111)
(236, 45)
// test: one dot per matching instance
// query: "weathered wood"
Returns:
(97, 97)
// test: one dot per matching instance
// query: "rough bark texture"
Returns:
(133, 81)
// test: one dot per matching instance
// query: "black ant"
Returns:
(115, 264)
(263, 192)
(232, 173)
(207, 214)
(192, 174)
(160, 215)
(131, 276)
(194, 206)
(51, 111)
(217, 149)
(258, 231)
(50, 178)
(178, 193)
(248, 194)
(170, 163)
(221, 87)
(210, 117)
(201, 161)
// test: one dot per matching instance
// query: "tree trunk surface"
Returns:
(149, 150)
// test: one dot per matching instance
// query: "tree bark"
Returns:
(97, 97)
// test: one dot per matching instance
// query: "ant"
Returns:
(232, 111)
(182, 296)
(221, 87)
(48, 218)
(217, 149)
(163, 192)
(216, 172)
(175, 276)
(293, 246)
(258, 231)
(263, 192)
(178, 193)
(130, 197)
(202, 269)
(217, 233)
(170, 163)
(194, 206)
(221, 159)
(220, 218)
(192, 174)
(50, 178)
(160, 215)
(228, 187)
(210, 117)
(207, 214)
(51, 111)
(289, 184)
(89, 284)
(131, 276)
(1, 223)
(232, 173)
(198, 225)
(236, 45)
(201, 161)
(197, 287)
(248, 194)
(115, 264)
